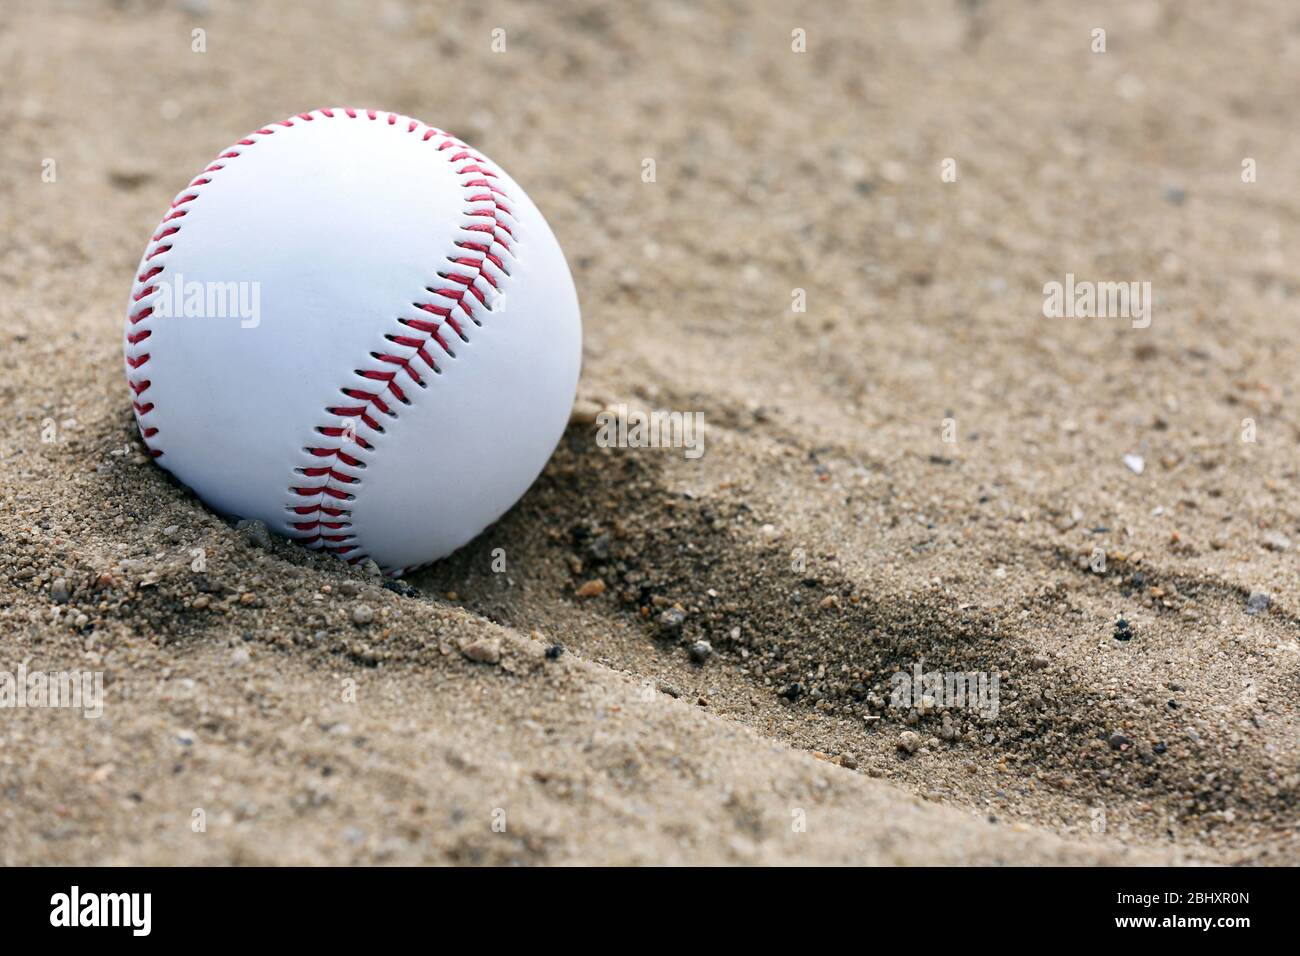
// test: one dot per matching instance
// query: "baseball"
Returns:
(357, 329)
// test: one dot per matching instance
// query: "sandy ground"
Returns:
(920, 467)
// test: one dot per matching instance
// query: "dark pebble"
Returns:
(398, 586)
(598, 547)
(671, 620)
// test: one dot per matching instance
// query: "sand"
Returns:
(920, 469)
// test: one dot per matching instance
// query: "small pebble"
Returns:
(701, 651)
(1123, 632)
(909, 742)
(59, 592)
(554, 651)
(240, 656)
(671, 620)
(486, 650)
(1135, 463)
(593, 588)
(1277, 541)
(362, 615)
(398, 586)
(1040, 661)
(1258, 602)
(667, 688)
(598, 547)
(1118, 741)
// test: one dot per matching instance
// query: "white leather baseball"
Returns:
(415, 352)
